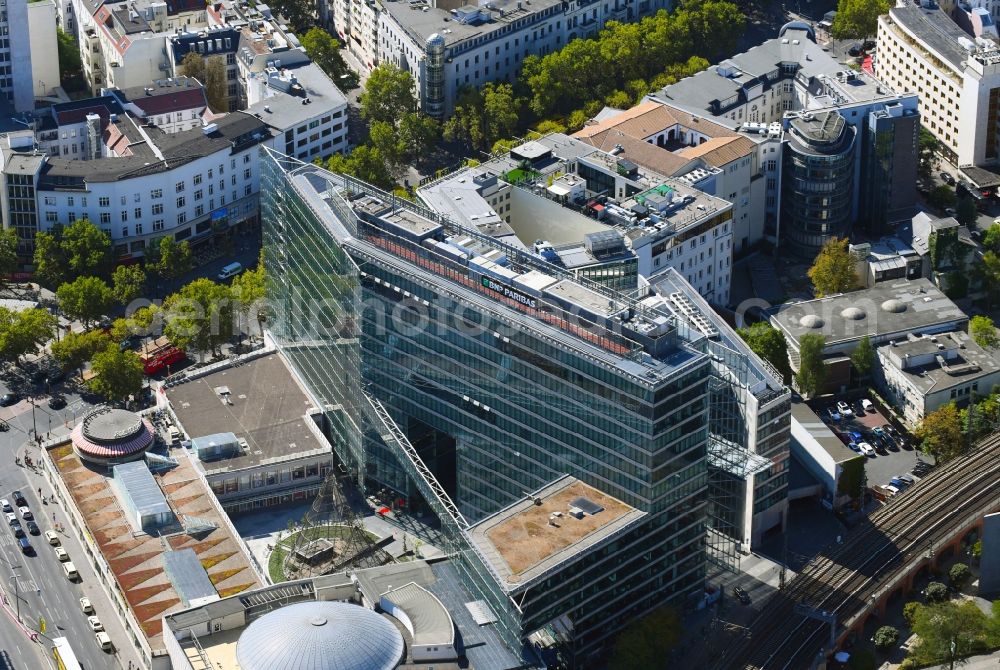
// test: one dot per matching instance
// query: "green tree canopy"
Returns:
(128, 283)
(367, 163)
(249, 290)
(812, 370)
(75, 349)
(8, 252)
(87, 249)
(199, 315)
(858, 19)
(948, 631)
(966, 212)
(863, 357)
(168, 258)
(886, 638)
(941, 196)
(301, 14)
(389, 95)
(24, 332)
(769, 343)
(959, 574)
(991, 238)
(85, 299)
(984, 332)
(324, 50)
(483, 116)
(833, 271)
(940, 433)
(70, 64)
(49, 260)
(117, 373)
(928, 145)
(648, 641)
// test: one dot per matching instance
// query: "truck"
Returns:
(159, 354)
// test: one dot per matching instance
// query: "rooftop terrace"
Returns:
(526, 539)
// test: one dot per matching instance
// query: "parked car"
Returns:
(898, 483)
(854, 446)
(57, 402)
(104, 641)
(742, 595)
(18, 530)
(25, 513)
(62, 555)
(19, 499)
(86, 606)
(922, 468)
(893, 491)
(11, 518)
(833, 413)
(26, 547)
(6, 505)
(855, 50)
(907, 479)
(845, 409)
(32, 528)
(947, 178)
(95, 624)
(867, 405)
(52, 538)
(855, 436)
(8, 399)
(866, 449)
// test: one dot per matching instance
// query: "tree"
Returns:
(987, 273)
(966, 212)
(192, 65)
(128, 283)
(833, 271)
(389, 95)
(483, 116)
(301, 14)
(324, 50)
(984, 332)
(117, 373)
(949, 631)
(863, 357)
(940, 433)
(146, 321)
(87, 249)
(812, 370)
(959, 574)
(936, 592)
(200, 314)
(368, 164)
(886, 638)
(24, 332)
(910, 610)
(941, 196)
(769, 343)
(70, 64)
(168, 258)
(86, 299)
(648, 641)
(991, 238)
(8, 252)
(216, 84)
(927, 147)
(49, 260)
(249, 291)
(75, 349)
(858, 19)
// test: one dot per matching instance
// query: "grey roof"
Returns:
(428, 617)
(320, 635)
(268, 410)
(972, 361)
(810, 424)
(420, 24)
(935, 29)
(136, 481)
(188, 575)
(287, 111)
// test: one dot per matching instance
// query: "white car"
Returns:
(103, 640)
(891, 490)
(26, 514)
(11, 518)
(844, 409)
(6, 505)
(867, 405)
(52, 538)
(86, 606)
(95, 624)
(866, 449)
(61, 554)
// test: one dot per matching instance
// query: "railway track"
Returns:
(842, 580)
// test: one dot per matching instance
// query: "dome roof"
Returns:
(811, 321)
(894, 306)
(853, 313)
(320, 636)
(798, 25)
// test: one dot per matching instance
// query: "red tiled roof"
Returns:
(163, 100)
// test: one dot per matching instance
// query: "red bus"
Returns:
(159, 354)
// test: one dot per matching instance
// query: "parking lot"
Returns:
(888, 461)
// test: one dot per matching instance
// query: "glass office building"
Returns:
(468, 377)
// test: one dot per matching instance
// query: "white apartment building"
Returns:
(447, 45)
(28, 67)
(44, 47)
(956, 78)
(146, 184)
(306, 112)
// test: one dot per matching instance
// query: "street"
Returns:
(35, 586)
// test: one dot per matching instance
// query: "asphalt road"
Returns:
(36, 584)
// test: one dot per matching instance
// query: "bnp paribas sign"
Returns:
(508, 292)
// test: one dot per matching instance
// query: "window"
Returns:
(137, 212)
(50, 200)
(157, 224)
(124, 231)
(69, 201)
(198, 194)
(123, 200)
(246, 173)
(179, 187)
(246, 158)
(247, 190)
(136, 198)
(138, 229)
(105, 217)
(124, 215)
(181, 218)
(104, 201)
(197, 179)
(156, 193)
(158, 208)
(52, 217)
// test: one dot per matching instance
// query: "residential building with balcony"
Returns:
(956, 76)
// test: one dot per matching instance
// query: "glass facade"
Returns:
(443, 387)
